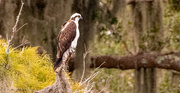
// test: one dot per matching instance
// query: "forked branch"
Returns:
(14, 30)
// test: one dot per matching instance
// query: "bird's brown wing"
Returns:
(65, 39)
(64, 24)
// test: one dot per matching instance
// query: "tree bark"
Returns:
(61, 85)
(169, 61)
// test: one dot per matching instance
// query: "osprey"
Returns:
(67, 39)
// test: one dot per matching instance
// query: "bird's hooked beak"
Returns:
(81, 17)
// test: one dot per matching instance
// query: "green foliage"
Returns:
(27, 69)
(165, 86)
(168, 84)
(106, 47)
(171, 23)
(115, 81)
(174, 4)
(110, 41)
(2, 53)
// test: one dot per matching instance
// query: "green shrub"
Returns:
(27, 69)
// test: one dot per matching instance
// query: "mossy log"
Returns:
(169, 61)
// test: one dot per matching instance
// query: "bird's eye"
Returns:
(78, 16)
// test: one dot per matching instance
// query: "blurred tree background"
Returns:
(110, 27)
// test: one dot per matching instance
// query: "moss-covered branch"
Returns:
(141, 60)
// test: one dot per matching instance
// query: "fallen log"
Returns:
(169, 61)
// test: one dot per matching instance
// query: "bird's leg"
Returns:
(72, 50)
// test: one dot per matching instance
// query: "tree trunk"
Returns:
(61, 85)
(148, 26)
(175, 81)
(87, 9)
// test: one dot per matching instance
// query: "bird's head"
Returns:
(76, 17)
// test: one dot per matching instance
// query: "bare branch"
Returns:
(13, 33)
(84, 61)
(21, 27)
(94, 73)
(107, 82)
(23, 44)
(17, 19)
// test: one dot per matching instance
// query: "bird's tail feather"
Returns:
(57, 63)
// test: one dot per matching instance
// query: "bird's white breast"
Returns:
(74, 42)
